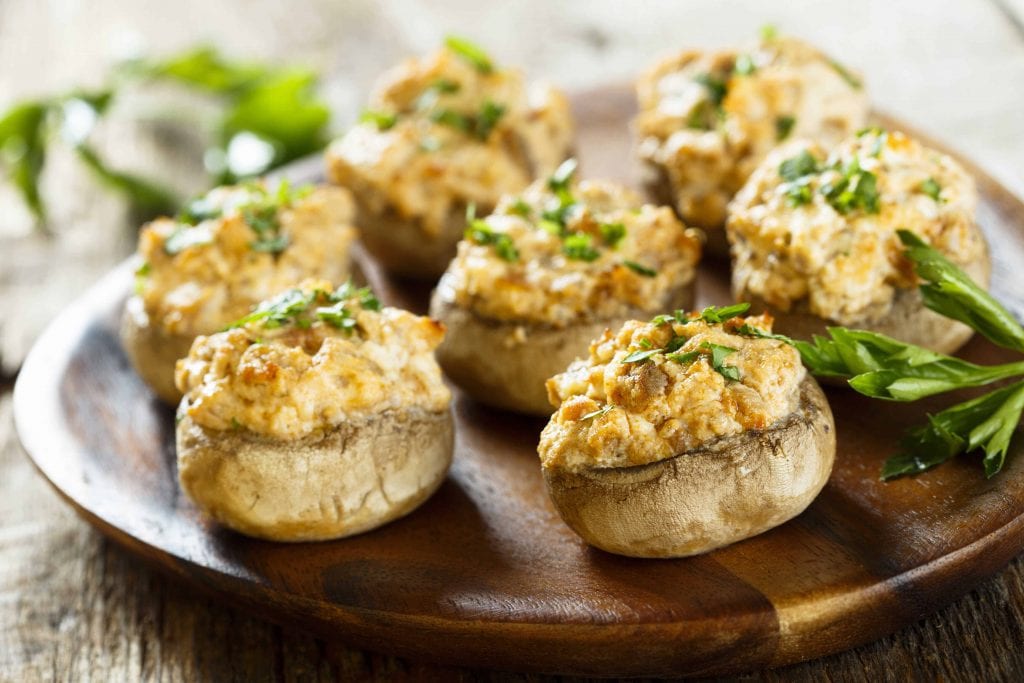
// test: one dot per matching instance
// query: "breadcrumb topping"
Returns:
(653, 390)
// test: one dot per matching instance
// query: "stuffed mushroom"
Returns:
(685, 434)
(319, 415)
(814, 236)
(535, 281)
(443, 132)
(707, 119)
(223, 254)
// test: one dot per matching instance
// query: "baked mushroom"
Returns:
(685, 434)
(223, 254)
(707, 119)
(814, 238)
(547, 272)
(442, 132)
(320, 415)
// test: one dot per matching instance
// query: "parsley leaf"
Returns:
(599, 412)
(480, 232)
(846, 75)
(381, 119)
(612, 233)
(931, 188)
(641, 355)
(715, 86)
(639, 268)
(579, 246)
(987, 422)
(784, 126)
(950, 292)
(799, 166)
(714, 315)
(470, 52)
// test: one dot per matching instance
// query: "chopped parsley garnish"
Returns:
(296, 307)
(259, 212)
(639, 268)
(481, 233)
(141, 273)
(769, 33)
(599, 412)
(745, 65)
(381, 119)
(453, 119)
(479, 126)
(799, 166)
(847, 76)
(580, 247)
(641, 355)
(784, 126)
(716, 354)
(856, 189)
(490, 114)
(470, 52)
(715, 315)
(445, 85)
(714, 85)
(520, 208)
(561, 179)
(612, 233)
(931, 188)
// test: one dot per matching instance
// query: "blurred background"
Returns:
(952, 69)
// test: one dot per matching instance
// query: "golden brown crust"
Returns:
(907, 320)
(346, 481)
(734, 488)
(506, 364)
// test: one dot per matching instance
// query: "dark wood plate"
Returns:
(485, 574)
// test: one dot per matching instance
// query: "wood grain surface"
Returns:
(74, 607)
(485, 574)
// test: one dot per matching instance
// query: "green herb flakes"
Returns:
(639, 268)
(382, 120)
(470, 52)
(783, 127)
(932, 188)
(612, 233)
(579, 247)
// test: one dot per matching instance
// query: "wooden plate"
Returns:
(485, 574)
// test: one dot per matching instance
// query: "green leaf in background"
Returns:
(271, 116)
(951, 292)
(147, 196)
(202, 67)
(23, 150)
(282, 110)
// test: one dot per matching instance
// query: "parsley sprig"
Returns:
(261, 213)
(715, 353)
(301, 309)
(885, 368)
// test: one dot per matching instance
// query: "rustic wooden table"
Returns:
(73, 607)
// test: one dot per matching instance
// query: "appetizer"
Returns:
(685, 434)
(814, 236)
(707, 119)
(317, 416)
(443, 132)
(535, 281)
(224, 253)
